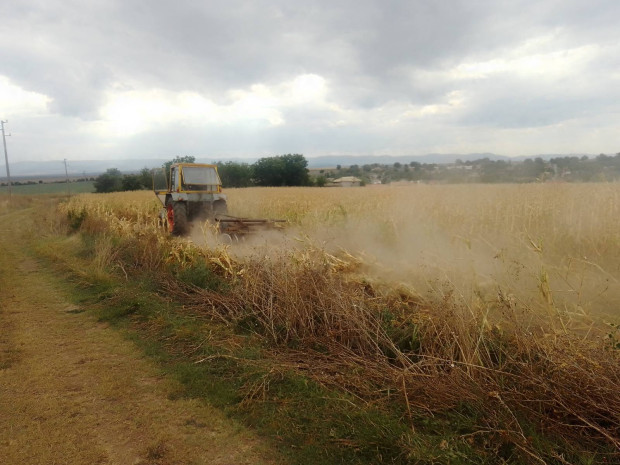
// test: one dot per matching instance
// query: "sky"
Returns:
(132, 79)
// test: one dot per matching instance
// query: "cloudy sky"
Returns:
(110, 79)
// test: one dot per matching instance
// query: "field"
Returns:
(494, 308)
(517, 239)
(552, 247)
(50, 188)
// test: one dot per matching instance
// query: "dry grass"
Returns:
(74, 392)
(497, 297)
(13, 203)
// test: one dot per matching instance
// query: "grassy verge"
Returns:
(231, 368)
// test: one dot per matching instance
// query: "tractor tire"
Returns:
(177, 218)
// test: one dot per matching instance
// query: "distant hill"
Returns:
(78, 167)
(75, 168)
(96, 167)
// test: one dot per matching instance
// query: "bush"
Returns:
(110, 181)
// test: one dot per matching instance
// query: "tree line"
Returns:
(570, 169)
(280, 170)
(292, 170)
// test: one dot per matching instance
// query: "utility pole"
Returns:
(67, 175)
(6, 157)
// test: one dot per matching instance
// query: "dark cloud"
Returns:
(373, 54)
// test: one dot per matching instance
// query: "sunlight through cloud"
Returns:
(131, 112)
(17, 101)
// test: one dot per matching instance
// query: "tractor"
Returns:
(193, 191)
(190, 191)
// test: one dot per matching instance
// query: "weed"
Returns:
(76, 218)
(200, 275)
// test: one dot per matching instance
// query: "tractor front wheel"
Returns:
(177, 218)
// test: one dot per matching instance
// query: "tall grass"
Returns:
(499, 300)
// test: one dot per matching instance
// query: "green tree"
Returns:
(282, 170)
(320, 181)
(235, 174)
(146, 178)
(110, 181)
(132, 182)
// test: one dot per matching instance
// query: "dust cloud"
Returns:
(419, 249)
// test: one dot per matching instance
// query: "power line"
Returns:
(6, 156)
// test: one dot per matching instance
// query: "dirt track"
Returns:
(73, 391)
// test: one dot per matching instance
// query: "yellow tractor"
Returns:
(193, 191)
(190, 191)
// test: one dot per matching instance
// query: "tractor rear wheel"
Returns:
(177, 218)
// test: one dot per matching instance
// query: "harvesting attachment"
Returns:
(234, 228)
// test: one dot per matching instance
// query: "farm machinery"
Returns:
(193, 191)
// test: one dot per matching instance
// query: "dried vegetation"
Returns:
(497, 301)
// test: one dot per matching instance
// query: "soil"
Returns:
(74, 391)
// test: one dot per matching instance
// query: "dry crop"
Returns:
(504, 298)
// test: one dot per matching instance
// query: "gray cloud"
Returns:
(373, 54)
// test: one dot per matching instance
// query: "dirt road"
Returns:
(73, 391)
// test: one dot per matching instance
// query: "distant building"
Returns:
(346, 181)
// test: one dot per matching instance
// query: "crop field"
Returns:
(503, 298)
(554, 248)
(549, 246)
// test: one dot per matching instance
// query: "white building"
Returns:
(347, 181)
